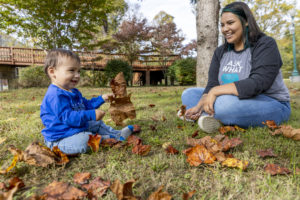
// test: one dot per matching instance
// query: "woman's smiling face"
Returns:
(232, 29)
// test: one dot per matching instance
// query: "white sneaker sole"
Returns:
(209, 124)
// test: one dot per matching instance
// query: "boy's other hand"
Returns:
(105, 97)
(99, 114)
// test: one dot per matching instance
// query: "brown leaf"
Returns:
(82, 178)
(198, 155)
(151, 105)
(270, 124)
(235, 142)
(118, 85)
(154, 119)
(193, 142)
(61, 190)
(134, 140)
(195, 134)
(188, 195)
(9, 194)
(163, 118)
(182, 110)
(123, 192)
(141, 149)
(266, 153)
(288, 131)
(94, 141)
(153, 127)
(110, 142)
(274, 169)
(160, 195)
(121, 106)
(220, 156)
(234, 162)
(171, 150)
(96, 188)
(63, 157)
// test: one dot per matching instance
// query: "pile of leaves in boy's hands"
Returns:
(286, 130)
(38, 155)
(121, 106)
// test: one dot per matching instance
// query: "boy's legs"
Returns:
(230, 110)
(108, 132)
(72, 145)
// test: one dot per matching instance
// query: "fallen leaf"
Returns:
(237, 128)
(188, 195)
(195, 134)
(94, 141)
(134, 140)
(12, 165)
(171, 150)
(182, 110)
(61, 190)
(266, 153)
(220, 156)
(180, 127)
(123, 191)
(82, 178)
(226, 129)
(96, 188)
(163, 118)
(288, 131)
(110, 142)
(166, 144)
(234, 162)
(153, 127)
(160, 195)
(141, 149)
(270, 124)
(274, 169)
(154, 119)
(121, 106)
(198, 155)
(151, 105)
(63, 157)
(9, 194)
(235, 142)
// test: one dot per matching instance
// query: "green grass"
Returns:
(20, 125)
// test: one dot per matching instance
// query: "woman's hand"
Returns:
(195, 112)
(208, 103)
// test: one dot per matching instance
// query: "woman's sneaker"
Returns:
(208, 124)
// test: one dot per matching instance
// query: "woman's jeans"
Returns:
(231, 110)
(78, 143)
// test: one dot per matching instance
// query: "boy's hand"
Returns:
(99, 114)
(105, 97)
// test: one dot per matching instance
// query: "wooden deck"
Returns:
(22, 57)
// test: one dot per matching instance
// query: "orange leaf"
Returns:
(188, 195)
(110, 142)
(274, 169)
(94, 142)
(171, 150)
(141, 149)
(12, 165)
(82, 178)
(233, 162)
(63, 157)
(288, 131)
(226, 129)
(270, 124)
(198, 155)
(160, 195)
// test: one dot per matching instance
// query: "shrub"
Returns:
(113, 67)
(184, 71)
(93, 78)
(33, 76)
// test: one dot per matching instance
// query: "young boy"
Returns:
(68, 117)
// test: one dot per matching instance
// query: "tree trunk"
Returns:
(207, 18)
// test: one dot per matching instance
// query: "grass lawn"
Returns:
(20, 124)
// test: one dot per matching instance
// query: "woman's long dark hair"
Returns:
(251, 32)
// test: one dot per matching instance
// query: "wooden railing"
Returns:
(28, 56)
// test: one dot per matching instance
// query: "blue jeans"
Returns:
(231, 110)
(77, 143)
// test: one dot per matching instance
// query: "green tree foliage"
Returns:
(184, 71)
(113, 67)
(70, 24)
(33, 76)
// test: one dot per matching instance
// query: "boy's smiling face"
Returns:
(66, 74)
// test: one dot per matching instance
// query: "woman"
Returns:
(245, 85)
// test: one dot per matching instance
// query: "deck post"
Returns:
(148, 77)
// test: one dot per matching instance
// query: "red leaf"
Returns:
(274, 169)
(266, 153)
(171, 150)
